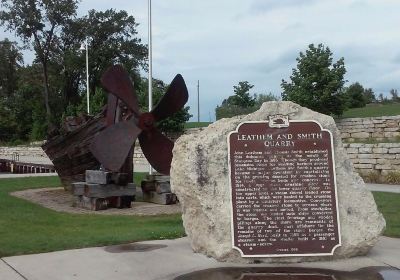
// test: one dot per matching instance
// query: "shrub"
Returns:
(393, 177)
(371, 177)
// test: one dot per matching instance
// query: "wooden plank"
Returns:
(148, 186)
(104, 191)
(78, 188)
(90, 203)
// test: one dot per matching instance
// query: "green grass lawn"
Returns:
(389, 206)
(373, 110)
(28, 228)
(196, 124)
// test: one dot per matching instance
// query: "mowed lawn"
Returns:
(373, 110)
(196, 124)
(28, 228)
(389, 206)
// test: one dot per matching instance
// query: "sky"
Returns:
(223, 42)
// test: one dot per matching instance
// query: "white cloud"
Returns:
(223, 42)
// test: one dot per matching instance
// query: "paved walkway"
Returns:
(156, 260)
(383, 188)
(11, 175)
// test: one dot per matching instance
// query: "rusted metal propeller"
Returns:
(112, 145)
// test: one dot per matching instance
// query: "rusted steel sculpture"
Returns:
(112, 145)
(107, 139)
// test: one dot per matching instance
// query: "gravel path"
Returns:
(61, 201)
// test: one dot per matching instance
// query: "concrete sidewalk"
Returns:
(156, 260)
(383, 188)
(11, 175)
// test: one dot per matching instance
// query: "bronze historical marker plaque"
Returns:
(283, 189)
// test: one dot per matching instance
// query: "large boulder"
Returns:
(200, 178)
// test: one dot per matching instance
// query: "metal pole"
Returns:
(150, 78)
(87, 76)
(150, 63)
(198, 101)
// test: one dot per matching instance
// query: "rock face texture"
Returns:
(200, 178)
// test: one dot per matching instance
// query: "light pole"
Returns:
(198, 101)
(150, 78)
(82, 48)
(150, 58)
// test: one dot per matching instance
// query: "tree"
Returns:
(395, 95)
(28, 106)
(175, 123)
(261, 98)
(242, 102)
(242, 96)
(316, 83)
(369, 95)
(10, 61)
(354, 96)
(10, 64)
(111, 39)
(38, 22)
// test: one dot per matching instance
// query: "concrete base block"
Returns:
(104, 178)
(98, 177)
(159, 198)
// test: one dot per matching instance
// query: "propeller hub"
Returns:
(146, 121)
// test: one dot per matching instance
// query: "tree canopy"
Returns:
(34, 97)
(11, 61)
(242, 102)
(175, 123)
(316, 82)
(354, 96)
(38, 23)
(369, 95)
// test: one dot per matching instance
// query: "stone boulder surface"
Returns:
(200, 178)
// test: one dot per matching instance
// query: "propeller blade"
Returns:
(116, 81)
(173, 100)
(112, 104)
(112, 145)
(157, 148)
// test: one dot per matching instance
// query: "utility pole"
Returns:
(198, 101)
(87, 76)
(150, 78)
(150, 60)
